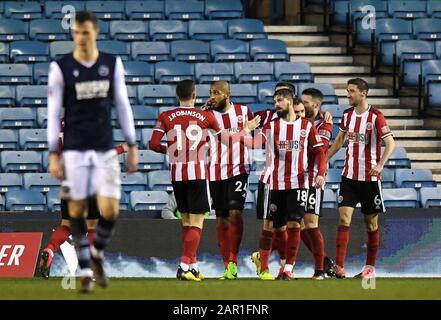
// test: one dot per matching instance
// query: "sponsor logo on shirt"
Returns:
(356, 137)
(289, 145)
(92, 89)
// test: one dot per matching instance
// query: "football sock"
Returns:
(222, 241)
(266, 238)
(91, 235)
(279, 243)
(59, 235)
(372, 247)
(191, 244)
(292, 246)
(235, 233)
(194, 266)
(341, 245)
(79, 229)
(103, 234)
(318, 248)
(306, 238)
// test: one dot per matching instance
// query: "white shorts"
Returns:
(89, 173)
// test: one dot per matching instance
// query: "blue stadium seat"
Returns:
(336, 110)
(4, 52)
(29, 51)
(150, 160)
(40, 72)
(388, 178)
(107, 10)
(25, 200)
(31, 96)
(356, 8)
(146, 136)
(190, 51)
(104, 30)
(246, 29)
(340, 8)
(434, 8)
(14, 74)
(48, 30)
(145, 10)
(253, 71)
(427, 29)
(13, 30)
(168, 30)
(159, 181)
(209, 72)
(250, 201)
(256, 107)
(407, 9)
(148, 200)
(131, 92)
(389, 31)
(60, 48)
(184, 9)
(330, 199)
(173, 71)
(8, 139)
(244, 93)
(151, 51)
(33, 139)
(139, 72)
(410, 54)
(53, 200)
(136, 181)
(338, 160)
(124, 202)
(53, 9)
(258, 157)
(333, 179)
(398, 159)
(10, 181)
(128, 30)
(17, 118)
(268, 50)
(327, 90)
(145, 116)
(28, 10)
(431, 71)
(7, 96)
(253, 180)
(414, 178)
(207, 30)
(114, 47)
(225, 9)
(42, 182)
(229, 51)
(430, 197)
(21, 161)
(265, 92)
(293, 71)
(400, 198)
(42, 117)
(118, 136)
(158, 95)
(202, 93)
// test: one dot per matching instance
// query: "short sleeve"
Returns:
(381, 126)
(325, 131)
(314, 139)
(343, 123)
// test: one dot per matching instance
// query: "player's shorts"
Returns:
(229, 194)
(263, 203)
(315, 201)
(92, 214)
(367, 193)
(285, 206)
(192, 196)
(91, 172)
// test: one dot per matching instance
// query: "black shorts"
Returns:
(192, 196)
(263, 203)
(229, 194)
(315, 201)
(289, 203)
(93, 211)
(367, 193)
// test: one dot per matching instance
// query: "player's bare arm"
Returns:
(338, 143)
(390, 147)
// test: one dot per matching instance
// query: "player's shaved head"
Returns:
(220, 95)
(221, 85)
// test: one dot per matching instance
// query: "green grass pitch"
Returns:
(242, 289)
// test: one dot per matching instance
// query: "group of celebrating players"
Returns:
(210, 163)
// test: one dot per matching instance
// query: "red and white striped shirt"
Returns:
(287, 153)
(363, 133)
(187, 134)
(324, 130)
(232, 159)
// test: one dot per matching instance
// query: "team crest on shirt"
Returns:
(368, 126)
(76, 73)
(273, 207)
(239, 119)
(103, 71)
(303, 133)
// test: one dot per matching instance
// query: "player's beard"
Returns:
(220, 106)
(282, 113)
(309, 113)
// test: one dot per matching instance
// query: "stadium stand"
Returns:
(246, 29)
(8, 139)
(145, 10)
(148, 200)
(128, 30)
(10, 181)
(184, 9)
(207, 30)
(159, 181)
(150, 51)
(25, 200)
(430, 197)
(402, 198)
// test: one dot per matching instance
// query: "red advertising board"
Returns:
(19, 253)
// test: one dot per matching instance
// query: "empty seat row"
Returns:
(29, 51)
(52, 30)
(117, 10)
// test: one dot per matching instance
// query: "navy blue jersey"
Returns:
(88, 99)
